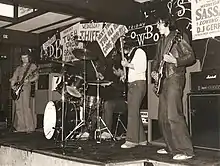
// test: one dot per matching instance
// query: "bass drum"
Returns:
(52, 122)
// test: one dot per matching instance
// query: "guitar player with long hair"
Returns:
(174, 50)
(23, 76)
(136, 64)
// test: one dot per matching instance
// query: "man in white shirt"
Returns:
(137, 66)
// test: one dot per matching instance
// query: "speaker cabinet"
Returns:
(153, 100)
(204, 116)
(45, 91)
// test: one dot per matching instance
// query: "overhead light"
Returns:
(142, 1)
(6, 10)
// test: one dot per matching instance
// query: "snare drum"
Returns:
(91, 102)
(53, 118)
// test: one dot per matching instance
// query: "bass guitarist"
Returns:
(170, 114)
(25, 118)
(136, 63)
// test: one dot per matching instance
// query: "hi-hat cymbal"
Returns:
(84, 54)
(65, 63)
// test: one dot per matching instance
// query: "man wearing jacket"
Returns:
(175, 51)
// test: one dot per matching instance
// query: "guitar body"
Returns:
(158, 85)
(15, 93)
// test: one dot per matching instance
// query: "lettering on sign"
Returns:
(143, 34)
(205, 19)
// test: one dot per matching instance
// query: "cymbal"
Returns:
(65, 63)
(84, 54)
(73, 91)
(100, 82)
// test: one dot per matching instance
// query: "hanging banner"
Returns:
(49, 42)
(89, 31)
(69, 42)
(109, 35)
(205, 18)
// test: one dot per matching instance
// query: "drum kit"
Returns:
(63, 119)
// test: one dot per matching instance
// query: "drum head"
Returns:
(49, 122)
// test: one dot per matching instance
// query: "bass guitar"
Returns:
(123, 57)
(124, 77)
(17, 88)
(160, 73)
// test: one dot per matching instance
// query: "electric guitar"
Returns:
(17, 87)
(124, 77)
(159, 80)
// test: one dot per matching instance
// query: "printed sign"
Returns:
(49, 42)
(68, 41)
(109, 35)
(89, 31)
(205, 18)
(142, 34)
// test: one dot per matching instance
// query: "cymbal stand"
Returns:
(99, 130)
(83, 121)
(63, 106)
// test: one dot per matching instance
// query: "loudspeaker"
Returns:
(45, 91)
(153, 100)
(204, 117)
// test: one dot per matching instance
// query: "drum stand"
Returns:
(83, 121)
(100, 121)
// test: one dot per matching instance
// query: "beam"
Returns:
(7, 19)
(121, 11)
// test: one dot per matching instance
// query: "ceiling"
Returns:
(53, 14)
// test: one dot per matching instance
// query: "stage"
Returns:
(34, 149)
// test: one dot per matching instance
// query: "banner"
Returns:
(69, 42)
(49, 42)
(89, 31)
(205, 18)
(109, 35)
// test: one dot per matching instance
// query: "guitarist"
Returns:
(170, 114)
(24, 119)
(136, 64)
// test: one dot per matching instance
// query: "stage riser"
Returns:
(15, 157)
(10, 156)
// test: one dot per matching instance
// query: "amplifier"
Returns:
(205, 81)
(49, 68)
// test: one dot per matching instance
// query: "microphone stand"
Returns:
(98, 130)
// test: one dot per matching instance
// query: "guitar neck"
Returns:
(122, 54)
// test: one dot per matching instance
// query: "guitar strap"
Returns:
(131, 56)
(25, 73)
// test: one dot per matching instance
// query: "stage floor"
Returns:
(101, 154)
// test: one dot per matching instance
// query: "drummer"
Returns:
(115, 100)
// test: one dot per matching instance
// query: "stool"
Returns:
(119, 121)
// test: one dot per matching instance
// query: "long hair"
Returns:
(168, 21)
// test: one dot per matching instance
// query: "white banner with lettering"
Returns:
(69, 42)
(89, 31)
(109, 35)
(205, 18)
